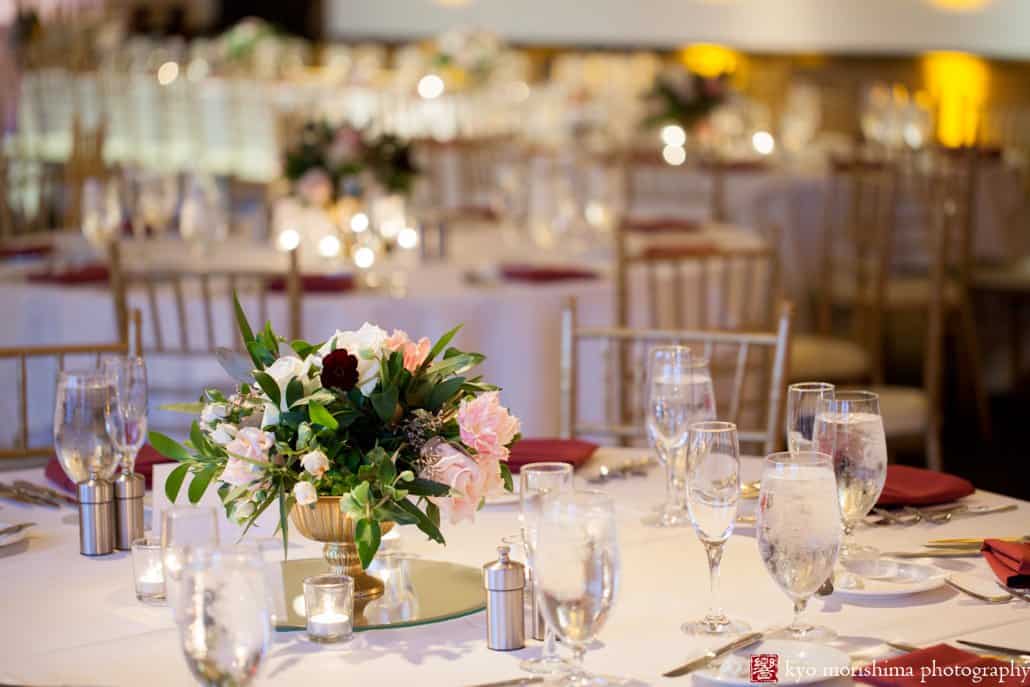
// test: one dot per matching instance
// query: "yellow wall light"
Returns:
(709, 60)
(958, 84)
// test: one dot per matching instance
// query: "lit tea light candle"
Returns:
(148, 569)
(329, 600)
(329, 626)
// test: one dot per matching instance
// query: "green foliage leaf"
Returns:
(456, 364)
(360, 494)
(261, 354)
(284, 506)
(302, 348)
(168, 447)
(509, 484)
(426, 487)
(367, 536)
(441, 344)
(320, 416)
(200, 482)
(199, 441)
(269, 386)
(433, 513)
(294, 392)
(191, 408)
(443, 392)
(241, 320)
(174, 482)
(422, 521)
(385, 403)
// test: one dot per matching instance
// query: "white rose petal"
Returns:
(213, 412)
(243, 510)
(315, 462)
(271, 415)
(366, 345)
(305, 493)
(223, 434)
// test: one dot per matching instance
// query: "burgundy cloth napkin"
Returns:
(146, 459)
(317, 283)
(29, 250)
(940, 665)
(910, 486)
(571, 451)
(89, 274)
(543, 275)
(658, 225)
(1010, 561)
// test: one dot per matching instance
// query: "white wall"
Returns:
(1000, 28)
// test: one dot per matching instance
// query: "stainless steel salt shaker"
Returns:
(128, 496)
(505, 582)
(96, 517)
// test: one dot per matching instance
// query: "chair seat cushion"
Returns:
(825, 358)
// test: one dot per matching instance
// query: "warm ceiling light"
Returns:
(958, 84)
(960, 5)
(430, 86)
(710, 60)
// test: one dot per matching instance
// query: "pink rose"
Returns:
(486, 426)
(415, 354)
(346, 146)
(315, 187)
(470, 481)
(249, 444)
(396, 341)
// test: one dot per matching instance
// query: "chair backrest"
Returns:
(749, 367)
(661, 194)
(460, 176)
(194, 301)
(85, 161)
(23, 356)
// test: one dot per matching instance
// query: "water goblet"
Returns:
(184, 529)
(670, 399)
(802, 407)
(81, 441)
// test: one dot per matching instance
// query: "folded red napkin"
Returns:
(146, 459)
(28, 250)
(93, 273)
(910, 486)
(1010, 561)
(543, 275)
(317, 283)
(658, 225)
(571, 451)
(937, 666)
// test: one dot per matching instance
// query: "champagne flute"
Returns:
(802, 407)
(849, 428)
(670, 394)
(224, 625)
(184, 529)
(80, 434)
(799, 530)
(539, 482)
(702, 390)
(577, 572)
(713, 490)
(126, 418)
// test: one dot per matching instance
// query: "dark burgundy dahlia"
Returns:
(340, 370)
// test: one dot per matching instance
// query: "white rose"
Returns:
(242, 510)
(213, 412)
(366, 345)
(285, 369)
(270, 416)
(305, 493)
(223, 434)
(315, 462)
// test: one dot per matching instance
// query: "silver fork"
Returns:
(989, 598)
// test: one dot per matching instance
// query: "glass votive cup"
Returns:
(148, 569)
(329, 606)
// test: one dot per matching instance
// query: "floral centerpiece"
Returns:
(680, 96)
(468, 56)
(396, 429)
(326, 161)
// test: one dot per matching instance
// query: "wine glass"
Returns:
(802, 406)
(156, 200)
(538, 483)
(799, 530)
(849, 428)
(224, 623)
(702, 390)
(184, 529)
(126, 418)
(713, 490)
(577, 572)
(80, 435)
(202, 217)
(670, 394)
(101, 212)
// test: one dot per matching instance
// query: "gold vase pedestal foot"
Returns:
(343, 559)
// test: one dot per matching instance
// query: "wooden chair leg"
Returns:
(967, 335)
(934, 460)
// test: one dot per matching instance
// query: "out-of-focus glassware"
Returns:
(81, 440)
(670, 400)
(203, 218)
(802, 407)
(126, 418)
(713, 491)
(101, 212)
(538, 483)
(577, 572)
(702, 391)
(799, 530)
(184, 529)
(223, 619)
(157, 195)
(849, 428)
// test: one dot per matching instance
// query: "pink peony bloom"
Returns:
(315, 187)
(415, 353)
(486, 426)
(396, 341)
(249, 444)
(470, 481)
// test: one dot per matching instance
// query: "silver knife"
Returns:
(9, 492)
(46, 491)
(698, 663)
(994, 647)
(14, 529)
(512, 683)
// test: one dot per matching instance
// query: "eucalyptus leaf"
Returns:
(200, 482)
(168, 447)
(174, 482)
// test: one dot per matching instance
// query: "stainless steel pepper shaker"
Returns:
(505, 582)
(96, 517)
(128, 496)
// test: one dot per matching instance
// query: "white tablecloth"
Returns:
(69, 619)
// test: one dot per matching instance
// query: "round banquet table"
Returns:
(69, 619)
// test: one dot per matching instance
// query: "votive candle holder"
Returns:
(329, 605)
(148, 570)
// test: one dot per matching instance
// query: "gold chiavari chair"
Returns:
(85, 161)
(661, 196)
(748, 385)
(23, 357)
(461, 176)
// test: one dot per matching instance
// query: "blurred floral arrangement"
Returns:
(326, 162)
(467, 55)
(680, 96)
(398, 428)
(239, 41)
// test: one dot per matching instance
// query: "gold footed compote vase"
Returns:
(324, 521)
